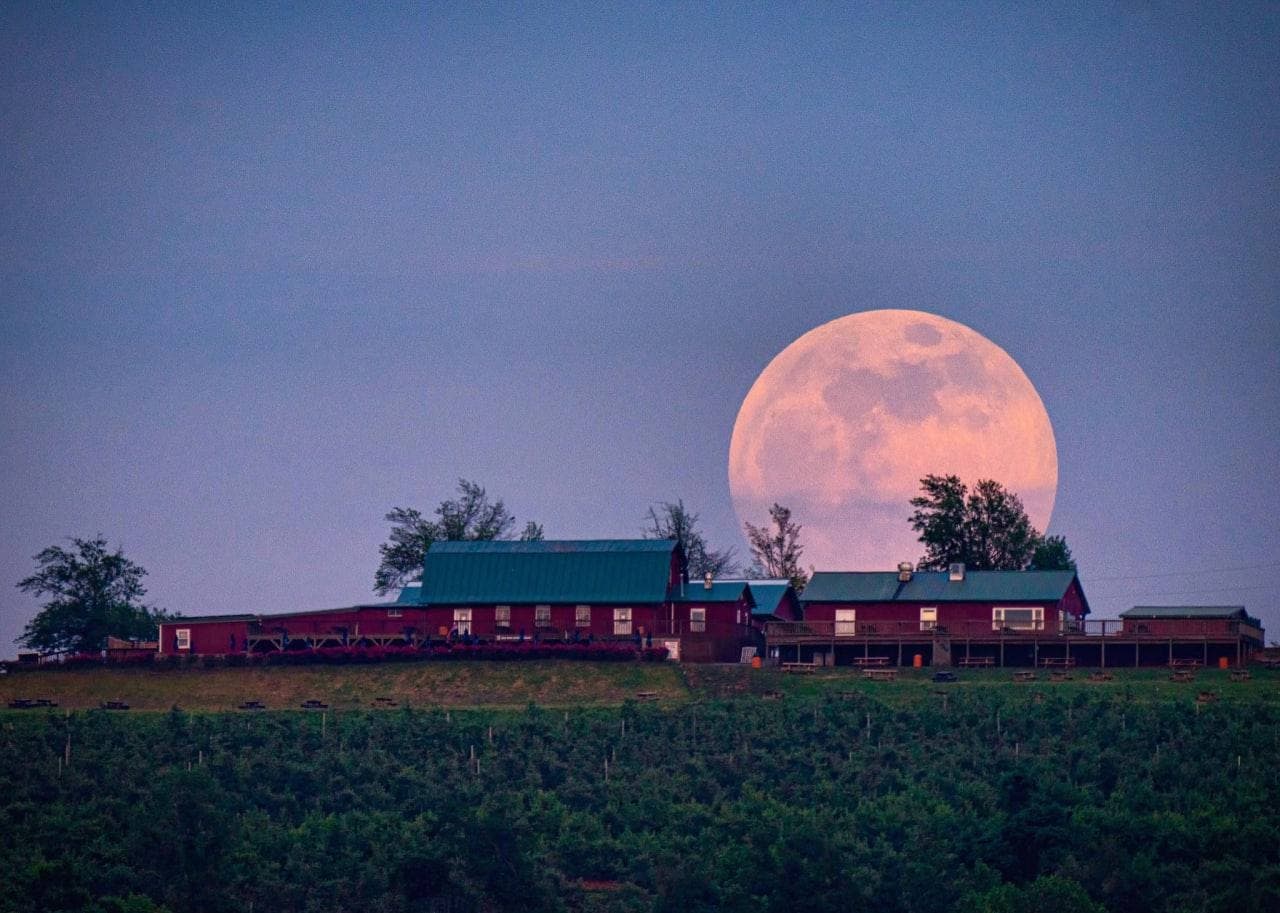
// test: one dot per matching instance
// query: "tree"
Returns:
(987, 528)
(470, 516)
(96, 593)
(674, 521)
(776, 552)
(1052, 554)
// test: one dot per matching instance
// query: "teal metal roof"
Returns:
(768, 594)
(936, 586)
(721, 591)
(410, 594)
(582, 571)
(1185, 611)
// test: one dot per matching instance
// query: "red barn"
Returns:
(1181, 621)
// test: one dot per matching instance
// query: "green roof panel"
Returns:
(1185, 611)
(583, 571)
(936, 586)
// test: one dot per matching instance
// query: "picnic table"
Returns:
(253, 705)
(866, 661)
(1024, 675)
(880, 675)
(1206, 697)
(771, 695)
(1182, 675)
(943, 675)
(1100, 676)
(1059, 675)
(646, 695)
(385, 702)
(848, 695)
(1184, 664)
(1240, 675)
(29, 703)
(114, 705)
(802, 668)
(1058, 662)
(976, 661)
(314, 705)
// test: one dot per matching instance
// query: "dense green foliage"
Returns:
(976, 802)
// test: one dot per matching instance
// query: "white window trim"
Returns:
(930, 623)
(502, 616)
(698, 625)
(394, 613)
(582, 616)
(622, 622)
(846, 622)
(462, 621)
(182, 638)
(542, 616)
(999, 618)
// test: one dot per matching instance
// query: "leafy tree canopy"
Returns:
(96, 593)
(674, 521)
(987, 529)
(469, 516)
(776, 549)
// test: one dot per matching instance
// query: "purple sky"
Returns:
(265, 275)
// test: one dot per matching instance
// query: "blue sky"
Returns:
(266, 273)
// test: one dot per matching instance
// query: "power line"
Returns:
(1212, 570)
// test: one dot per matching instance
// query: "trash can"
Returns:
(1223, 662)
(917, 661)
(756, 662)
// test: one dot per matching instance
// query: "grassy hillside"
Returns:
(560, 683)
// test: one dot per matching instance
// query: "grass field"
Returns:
(564, 683)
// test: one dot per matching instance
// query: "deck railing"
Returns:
(916, 630)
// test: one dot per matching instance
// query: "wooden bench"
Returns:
(799, 668)
(1184, 664)
(880, 675)
(977, 661)
(1058, 662)
(869, 661)
(646, 695)
(1024, 675)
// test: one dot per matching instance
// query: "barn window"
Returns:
(502, 617)
(622, 622)
(462, 621)
(697, 620)
(1018, 619)
(182, 638)
(846, 622)
(394, 613)
(928, 618)
(542, 616)
(582, 616)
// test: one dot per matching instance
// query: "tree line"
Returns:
(96, 592)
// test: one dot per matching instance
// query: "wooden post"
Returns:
(1104, 653)
(1170, 649)
(1206, 653)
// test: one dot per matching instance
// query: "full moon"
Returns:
(846, 421)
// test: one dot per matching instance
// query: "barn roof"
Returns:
(768, 595)
(576, 571)
(1185, 611)
(936, 586)
(721, 591)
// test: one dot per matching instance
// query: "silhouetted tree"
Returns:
(674, 521)
(470, 516)
(95, 593)
(1052, 554)
(987, 528)
(776, 550)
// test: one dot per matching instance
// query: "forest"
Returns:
(996, 802)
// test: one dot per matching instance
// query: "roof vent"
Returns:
(706, 580)
(956, 572)
(904, 571)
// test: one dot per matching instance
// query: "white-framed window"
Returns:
(1017, 618)
(394, 613)
(582, 616)
(697, 621)
(542, 616)
(622, 622)
(846, 622)
(182, 638)
(462, 620)
(928, 618)
(502, 617)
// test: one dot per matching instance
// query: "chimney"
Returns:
(904, 571)
(706, 580)
(956, 572)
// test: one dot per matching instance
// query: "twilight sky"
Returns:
(266, 274)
